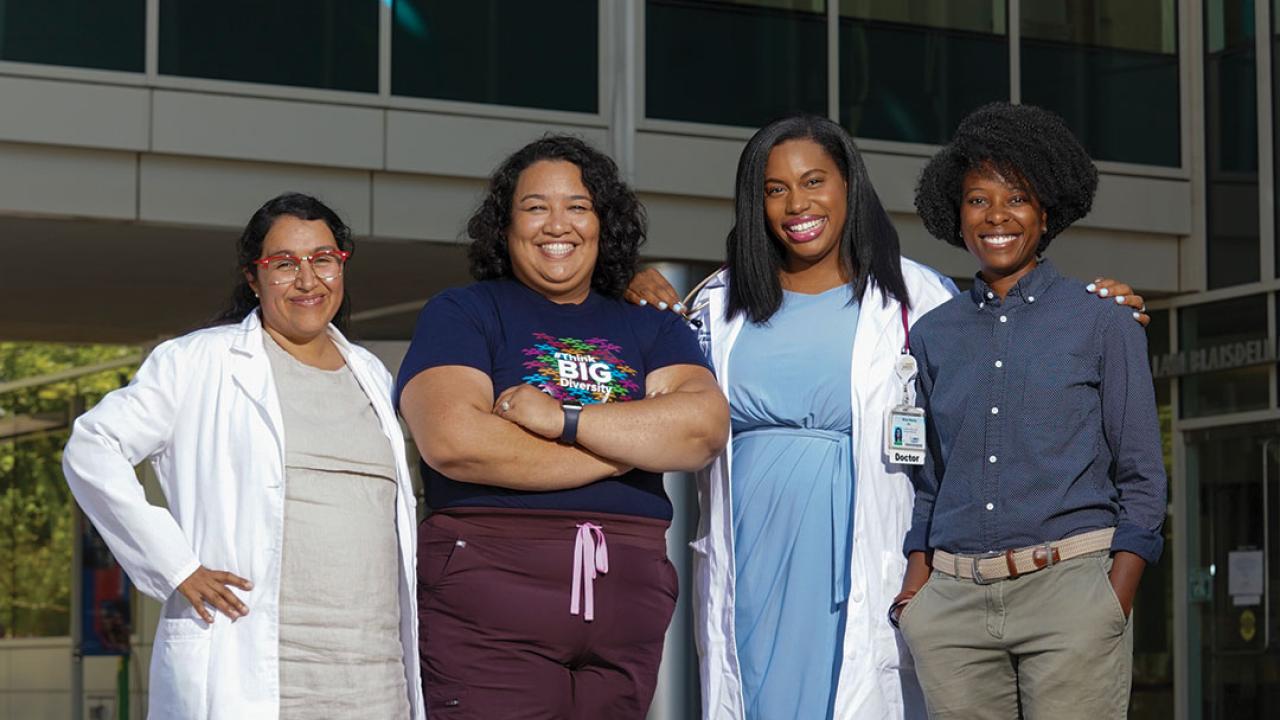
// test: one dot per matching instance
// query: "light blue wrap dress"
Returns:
(792, 487)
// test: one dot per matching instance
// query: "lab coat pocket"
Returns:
(180, 664)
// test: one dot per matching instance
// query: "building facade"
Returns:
(137, 136)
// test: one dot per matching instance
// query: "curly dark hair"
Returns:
(622, 217)
(1018, 141)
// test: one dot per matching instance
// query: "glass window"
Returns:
(35, 502)
(740, 62)
(1219, 335)
(1231, 143)
(543, 55)
(101, 34)
(1110, 70)
(910, 70)
(330, 44)
(1275, 114)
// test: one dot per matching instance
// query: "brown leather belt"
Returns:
(989, 567)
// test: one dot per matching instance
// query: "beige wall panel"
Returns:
(1148, 205)
(423, 207)
(683, 228)
(679, 165)
(46, 180)
(71, 113)
(33, 661)
(440, 144)
(194, 191)
(894, 177)
(1146, 261)
(36, 704)
(267, 130)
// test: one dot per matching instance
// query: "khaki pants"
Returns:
(1053, 644)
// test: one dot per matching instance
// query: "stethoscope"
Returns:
(691, 315)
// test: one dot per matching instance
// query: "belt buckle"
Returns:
(977, 574)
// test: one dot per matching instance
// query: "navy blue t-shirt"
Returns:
(595, 352)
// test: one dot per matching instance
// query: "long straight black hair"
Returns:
(249, 248)
(869, 251)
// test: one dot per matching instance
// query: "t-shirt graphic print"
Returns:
(586, 371)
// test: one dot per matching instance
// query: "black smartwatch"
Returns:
(569, 435)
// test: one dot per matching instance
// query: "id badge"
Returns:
(904, 439)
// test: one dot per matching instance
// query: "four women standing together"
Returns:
(546, 410)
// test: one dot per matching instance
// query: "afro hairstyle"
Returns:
(1018, 141)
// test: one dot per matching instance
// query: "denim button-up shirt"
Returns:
(1041, 421)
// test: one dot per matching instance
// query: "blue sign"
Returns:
(106, 615)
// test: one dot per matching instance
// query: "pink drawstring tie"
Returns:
(590, 555)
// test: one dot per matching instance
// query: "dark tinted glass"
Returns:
(910, 70)
(1110, 70)
(330, 44)
(1275, 112)
(530, 54)
(1218, 328)
(1231, 143)
(735, 63)
(101, 34)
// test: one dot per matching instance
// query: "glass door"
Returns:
(1233, 497)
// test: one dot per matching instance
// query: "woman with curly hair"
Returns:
(546, 410)
(1043, 494)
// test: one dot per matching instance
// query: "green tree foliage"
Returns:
(35, 503)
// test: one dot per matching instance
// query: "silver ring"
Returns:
(505, 406)
(1143, 308)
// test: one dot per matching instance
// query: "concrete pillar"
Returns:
(677, 696)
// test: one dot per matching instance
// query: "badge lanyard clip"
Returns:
(904, 423)
(906, 367)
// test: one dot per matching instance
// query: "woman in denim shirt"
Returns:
(1043, 494)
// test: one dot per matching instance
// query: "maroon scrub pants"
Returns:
(495, 595)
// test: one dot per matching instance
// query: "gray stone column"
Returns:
(677, 696)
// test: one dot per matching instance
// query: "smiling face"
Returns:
(805, 203)
(554, 236)
(301, 310)
(1001, 223)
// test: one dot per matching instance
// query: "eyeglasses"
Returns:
(284, 269)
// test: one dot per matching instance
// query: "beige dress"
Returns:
(340, 650)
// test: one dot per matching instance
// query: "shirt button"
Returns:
(1031, 298)
(991, 459)
(995, 411)
(990, 295)
(999, 363)
(991, 506)
(1004, 319)
(981, 305)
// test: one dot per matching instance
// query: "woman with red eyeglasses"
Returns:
(290, 506)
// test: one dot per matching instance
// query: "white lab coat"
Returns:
(877, 678)
(204, 410)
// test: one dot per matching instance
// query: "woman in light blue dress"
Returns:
(789, 400)
(793, 488)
